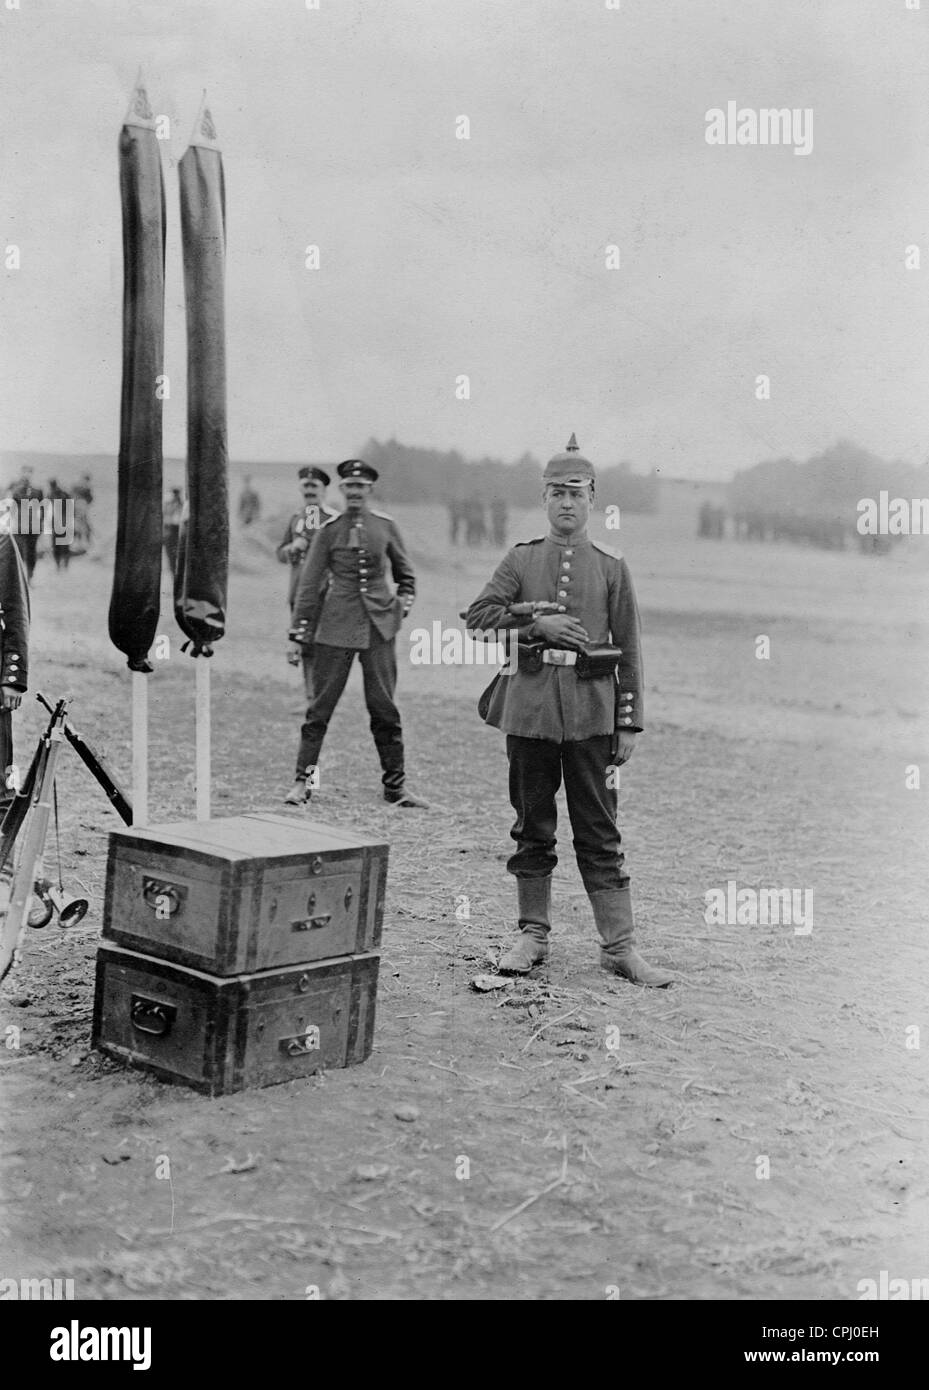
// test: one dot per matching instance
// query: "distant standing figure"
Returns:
(83, 529)
(498, 519)
(27, 532)
(454, 521)
(249, 504)
(171, 526)
(61, 540)
(476, 526)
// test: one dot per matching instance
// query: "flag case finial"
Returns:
(140, 111)
(204, 132)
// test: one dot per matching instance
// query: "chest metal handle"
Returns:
(310, 923)
(166, 899)
(148, 1016)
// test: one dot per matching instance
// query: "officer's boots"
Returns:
(613, 916)
(534, 896)
(391, 755)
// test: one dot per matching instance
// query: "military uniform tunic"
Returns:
(595, 586)
(306, 523)
(356, 553)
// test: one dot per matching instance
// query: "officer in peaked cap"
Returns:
(293, 549)
(346, 607)
(562, 725)
(357, 468)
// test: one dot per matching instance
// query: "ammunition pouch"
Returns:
(594, 662)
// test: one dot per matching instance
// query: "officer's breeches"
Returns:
(331, 666)
(536, 769)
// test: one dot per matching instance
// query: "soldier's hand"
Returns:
(10, 698)
(622, 747)
(561, 630)
(300, 635)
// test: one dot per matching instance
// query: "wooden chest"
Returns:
(247, 893)
(218, 1034)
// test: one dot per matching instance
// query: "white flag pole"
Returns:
(202, 666)
(139, 748)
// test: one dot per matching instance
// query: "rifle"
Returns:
(22, 881)
(94, 763)
(17, 887)
(528, 608)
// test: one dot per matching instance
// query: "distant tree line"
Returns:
(816, 502)
(429, 475)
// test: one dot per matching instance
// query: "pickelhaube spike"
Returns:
(570, 467)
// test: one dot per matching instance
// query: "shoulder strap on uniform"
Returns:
(607, 550)
(536, 540)
(383, 515)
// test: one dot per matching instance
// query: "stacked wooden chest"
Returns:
(244, 951)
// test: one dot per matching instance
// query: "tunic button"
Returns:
(569, 552)
(566, 564)
(562, 593)
(627, 721)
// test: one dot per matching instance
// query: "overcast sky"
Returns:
(486, 256)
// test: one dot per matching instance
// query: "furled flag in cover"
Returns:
(134, 603)
(203, 551)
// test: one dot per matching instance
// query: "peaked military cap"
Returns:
(357, 468)
(308, 471)
(570, 469)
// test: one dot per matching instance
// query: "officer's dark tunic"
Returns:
(357, 612)
(14, 645)
(556, 724)
(306, 523)
(314, 516)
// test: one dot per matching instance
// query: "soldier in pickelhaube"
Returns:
(571, 710)
(345, 607)
(295, 546)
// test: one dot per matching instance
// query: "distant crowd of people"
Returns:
(825, 533)
(66, 522)
(468, 518)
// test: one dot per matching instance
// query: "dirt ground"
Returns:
(590, 1169)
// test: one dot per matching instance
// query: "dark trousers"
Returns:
(536, 769)
(26, 543)
(331, 666)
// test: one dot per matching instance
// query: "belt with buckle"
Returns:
(559, 656)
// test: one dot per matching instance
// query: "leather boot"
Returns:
(613, 916)
(534, 896)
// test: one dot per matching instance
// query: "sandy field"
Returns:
(591, 1169)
